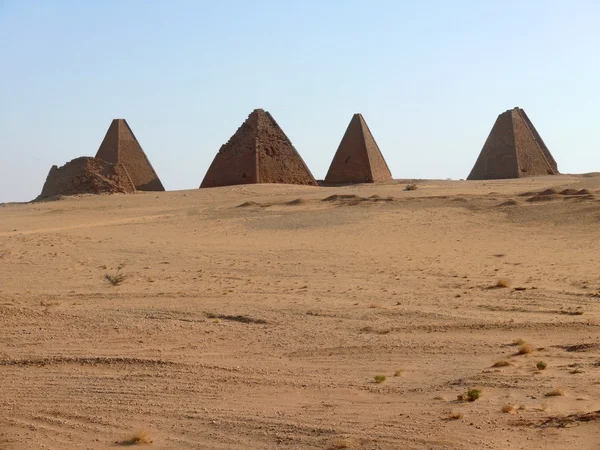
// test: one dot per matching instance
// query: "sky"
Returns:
(429, 76)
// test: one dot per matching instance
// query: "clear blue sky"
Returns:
(429, 76)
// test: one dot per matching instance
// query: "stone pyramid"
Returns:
(358, 158)
(258, 152)
(86, 175)
(121, 147)
(514, 149)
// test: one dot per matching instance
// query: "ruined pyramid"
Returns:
(513, 149)
(358, 158)
(258, 152)
(86, 175)
(121, 147)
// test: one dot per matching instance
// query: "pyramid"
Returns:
(358, 158)
(258, 152)
(121, 147)
(86, 176)
(514, 149)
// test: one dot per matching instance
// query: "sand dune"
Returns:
(258, 316)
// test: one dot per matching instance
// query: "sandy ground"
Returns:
(263, 325)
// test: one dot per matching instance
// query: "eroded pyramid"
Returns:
(513, 149)
(358, 158)
(258, 152)
(87, 176)
(121, 147)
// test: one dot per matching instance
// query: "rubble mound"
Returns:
(87, 176)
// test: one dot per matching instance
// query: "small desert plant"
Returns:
(558, 392)
(341, 443)
(503, 283)
(473, 394)
(525, 349)
(117, 278)
(410, 187)
(541, 365)
(502, 363)
(518, 341)
(379, 378)
(140, 437)
(509, 409)
(399, 373)
(455, 416)
(470, 396)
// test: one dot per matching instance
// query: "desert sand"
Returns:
(258, 316)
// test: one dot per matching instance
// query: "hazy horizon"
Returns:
(430, 79)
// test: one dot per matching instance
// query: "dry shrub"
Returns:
(470, 396)
(518, 341)
(117, 278)
(509, 409)
(558, 392)
(503, 283)
(502, 363)
(455, 416)
(399, 373)
(343, 443)
(410, 187)
(379, 378)
(139, 437)
(525, 349)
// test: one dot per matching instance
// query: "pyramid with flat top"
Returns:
(513, 149)
(358, 158)
(120, 146)
(258, 152)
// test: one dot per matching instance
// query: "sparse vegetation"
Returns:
(118, 276)
(470, 396)
(341, 443)
(509, 409)
(379, 378)
(541, 365)
(410, 187)
(518, 342)
(558, 392)
(140, 437)
(456, 416)
(502, 363)
(473, 394)
(242, 319)
(525, 349)
(503, 283)
(399, 373)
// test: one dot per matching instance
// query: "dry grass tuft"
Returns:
(379, 378)
(139, 438)
(509, 409)
(410, 187)
(502, 363)
(342, 443)
(541, 365)
(518, 341)
(117, 278)
(455, 416)
(503, 283)
(399, 373)
(558, 392)
(525, 349)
